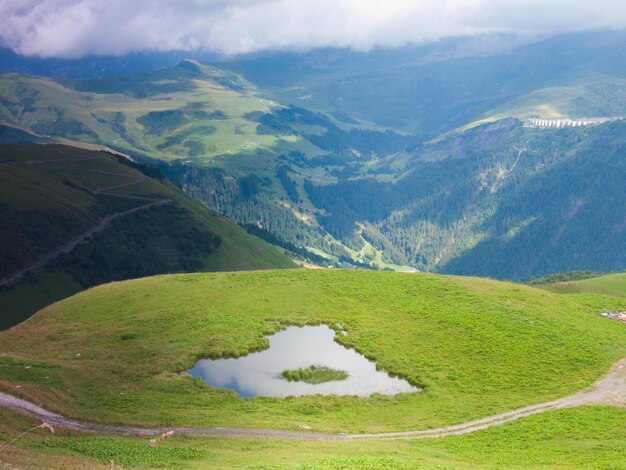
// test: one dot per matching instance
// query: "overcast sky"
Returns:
(74, 28)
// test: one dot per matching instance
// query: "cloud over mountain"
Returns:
(73, 28)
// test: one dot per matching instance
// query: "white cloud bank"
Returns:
(74, 28)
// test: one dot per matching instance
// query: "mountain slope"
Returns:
(570, 215)
(500, 200)
(380, 159)
(73, 218)
(433, 88)
(212, 125)
(190, 110)
(610, 284)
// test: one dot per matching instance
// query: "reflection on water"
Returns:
(257, 374)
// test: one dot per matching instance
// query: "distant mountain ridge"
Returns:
(433, 88)
(94, 66)
(424, 157)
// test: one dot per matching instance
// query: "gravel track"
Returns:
(102, 223)
(610, 390)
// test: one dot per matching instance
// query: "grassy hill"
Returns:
(51, 194)
(611, 284)
(188, 111)
(436, 87)
(476, 346)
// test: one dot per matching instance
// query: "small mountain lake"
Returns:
(259, 373)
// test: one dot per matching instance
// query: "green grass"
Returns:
(126, 452)
(592, 95)
(476, 346)
(167, 114)
(587, 437)
(314, 375)
(611, 284)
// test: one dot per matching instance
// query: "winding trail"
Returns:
(102, 223)
(610, 390)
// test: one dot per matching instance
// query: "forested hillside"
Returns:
(423, 157)
(501, 200)
(72, 218)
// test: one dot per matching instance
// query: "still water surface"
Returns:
(257, 374)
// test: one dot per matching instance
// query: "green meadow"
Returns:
(587, 437)
(191, 111)
(611, 284)
(116, 353)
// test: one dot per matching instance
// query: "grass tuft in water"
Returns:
(314, 375)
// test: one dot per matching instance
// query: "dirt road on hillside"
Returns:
(102, 223)
(610, 390)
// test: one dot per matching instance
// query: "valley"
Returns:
(326, 256)
(346, 186)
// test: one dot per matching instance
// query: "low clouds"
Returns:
(74, 28)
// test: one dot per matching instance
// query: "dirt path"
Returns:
(610, 390)
(102, 223)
